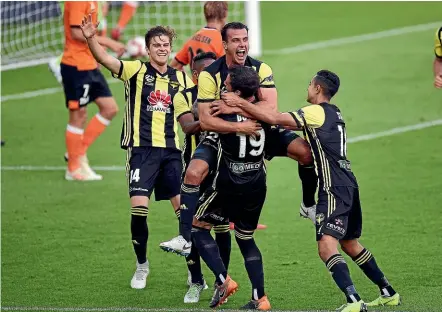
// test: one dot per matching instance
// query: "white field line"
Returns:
(360, 138)
(288, 50)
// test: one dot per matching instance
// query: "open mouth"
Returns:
(241, 53)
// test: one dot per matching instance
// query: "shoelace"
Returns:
(194, 290)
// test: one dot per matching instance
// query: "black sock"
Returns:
(253, 263)
(178, 213)
(194, 264)
(339, 269)
(140, 231)
(209, 252)
(189, 201)
(224, 242)
(368, 265)
(309, 180)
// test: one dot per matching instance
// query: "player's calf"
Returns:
(367, 263)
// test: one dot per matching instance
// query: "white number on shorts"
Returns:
(258, 144)
(85, 98)
(135, 175)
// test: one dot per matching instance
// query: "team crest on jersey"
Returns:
(174, 84)
(149, 80)
(159, 101)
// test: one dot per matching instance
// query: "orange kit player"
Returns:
(127, 12)
(208, 38)
(83, 83)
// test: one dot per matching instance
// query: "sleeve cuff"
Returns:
(182, 114)
(182, 63)
(205, 100)
(267, 86)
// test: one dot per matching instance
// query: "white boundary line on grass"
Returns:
(128, 309)
(289, 50)
(360, 138)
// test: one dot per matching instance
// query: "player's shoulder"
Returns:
(257, 64)
(439, 35)
(216, 66)
(209, 32)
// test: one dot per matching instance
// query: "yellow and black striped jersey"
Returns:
(438, 43)
(211, 79)
(324, 128)
(183, 102)
(149, 117)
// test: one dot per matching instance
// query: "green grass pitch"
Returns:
(68, 244)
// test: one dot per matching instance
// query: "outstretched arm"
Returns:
(89, 31)
(437, 69)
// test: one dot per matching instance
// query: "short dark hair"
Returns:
(204, 56)
(329, 82)
(159, 31)
(232, 25)
(245, 80)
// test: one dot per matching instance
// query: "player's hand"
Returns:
(231, 99)
(438, 82)
(117, 47)
(219, 107)
(250, 127)
(88, 28)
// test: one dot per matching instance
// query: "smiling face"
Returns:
(159, 49)
(237, 45)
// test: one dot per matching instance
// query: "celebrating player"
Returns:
(210, 87)
(83, 83)
(338, 211)
(208, 38)
(437, 64)
(183, 103)
(149, 129)
(240, 191)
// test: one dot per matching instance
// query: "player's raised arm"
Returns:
(437, 64)
(89, 31)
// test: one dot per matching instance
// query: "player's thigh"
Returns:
(143, 166)
(203, 161)
(354, 229)
(77, 86)
(168, 183)
(277, 142)
(332, 212)
(101, 94)
(245, 212)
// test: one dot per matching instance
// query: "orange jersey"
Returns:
(205, 40)
(77, 53)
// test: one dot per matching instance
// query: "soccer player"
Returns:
(84, 83)
(437, 64)
(184, 102)
(149, 129)
(280, 142)
(128, 10)
(338, 211)
(208, 38)
(240, 191)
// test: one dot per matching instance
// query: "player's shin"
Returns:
(368, 265)
(194, 265)
(341, 275)
(209, 252)
(140, 232)
(224, 242)
(252, 261)
(93, 130)
(189, 201)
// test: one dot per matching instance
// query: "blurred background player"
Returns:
(84, 83)
(150, 133)
(208, 38)
(437, 64)
(128, 10)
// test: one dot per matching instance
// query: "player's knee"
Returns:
(327, 247)
(109, 111)
(78, 117)
(201, 225)
(300, 151)
(194, 175)
(351, 247)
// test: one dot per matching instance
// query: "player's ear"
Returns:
(238, 93)
(225, 45)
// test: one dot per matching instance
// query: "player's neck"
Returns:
(322, 99)
(160, 68)
(215, 24)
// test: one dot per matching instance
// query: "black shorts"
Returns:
(152, 168)
(242, 209)
(83, 86)
(207, 150)
(339, 214)
(277, 141)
